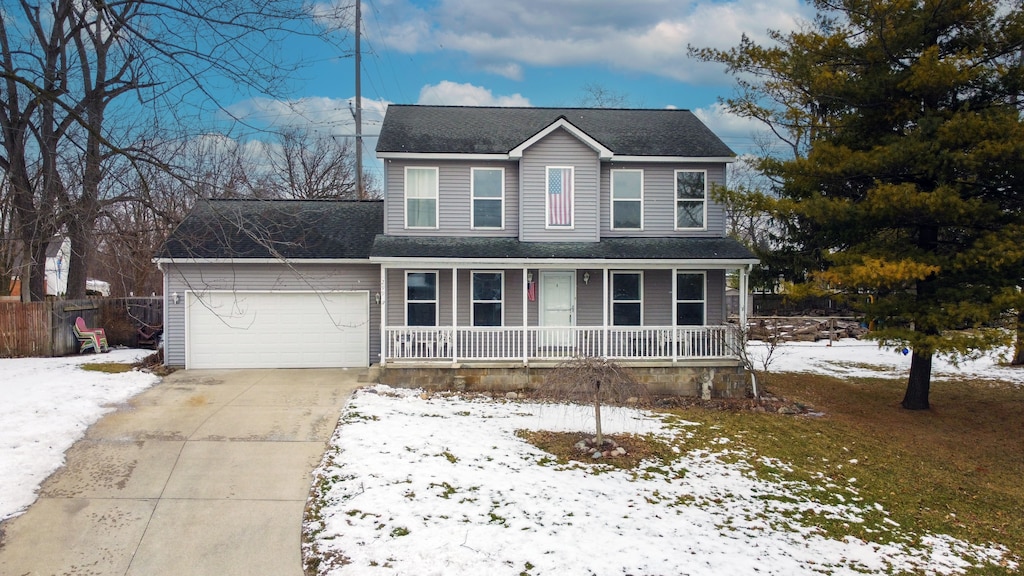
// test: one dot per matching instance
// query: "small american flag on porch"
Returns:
(560, 196)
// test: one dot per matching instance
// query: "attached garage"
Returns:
(277, 330)
(273, 284)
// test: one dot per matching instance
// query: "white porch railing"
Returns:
(462, 343)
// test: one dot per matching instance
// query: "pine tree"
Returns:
(907, 165)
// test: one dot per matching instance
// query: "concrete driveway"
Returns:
(205, 473)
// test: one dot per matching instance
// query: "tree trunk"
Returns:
(1018, 349)
(80, 233)
(919, 382)
(599, 438)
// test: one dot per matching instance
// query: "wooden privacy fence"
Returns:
(47, 328)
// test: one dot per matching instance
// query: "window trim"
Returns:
(437, 295)
(437, 197)
(473, 198)
(612, 301)
(547, 199)
(676, 199)
(613, 200)
(473, 301)
(676, 272)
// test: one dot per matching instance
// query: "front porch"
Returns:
(525, 345)
(494, 314)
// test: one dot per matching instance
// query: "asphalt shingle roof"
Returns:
(607, 248)
(293, 229)
(491, 130)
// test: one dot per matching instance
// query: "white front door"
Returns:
(557, 298)
(558, 309)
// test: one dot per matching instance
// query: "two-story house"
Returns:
(508, 238)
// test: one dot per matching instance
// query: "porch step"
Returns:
(370, 375)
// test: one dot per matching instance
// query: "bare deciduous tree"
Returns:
(306, 166)
(586, 379)
(67, 68)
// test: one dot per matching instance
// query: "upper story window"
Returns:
(689, 295)
(421, 299)
(691, 199)
(627, 298)
(420, 197)
(627, 199)
(488, 291)
(488, 189)
(560, 191)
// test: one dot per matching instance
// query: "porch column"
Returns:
(604, 312)
(455, 311)
(525, 300)
(383, 313)
(744, 287)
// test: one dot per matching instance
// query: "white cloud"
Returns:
(648, 36)
(320, 114)
(454, 94)
(509, 70)
(740, 134)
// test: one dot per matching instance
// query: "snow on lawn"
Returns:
(47, 403)
(442, 485)
(864, 359)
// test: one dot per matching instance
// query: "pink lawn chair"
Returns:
(94, 338)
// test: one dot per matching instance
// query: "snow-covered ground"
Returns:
(45, 406)
(443, 485)
(431, 485)
(864, 359)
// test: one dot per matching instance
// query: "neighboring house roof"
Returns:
(492, 130)
(53, 248)
(272, 229)
(699, 249)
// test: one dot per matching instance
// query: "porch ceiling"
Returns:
(701, 251)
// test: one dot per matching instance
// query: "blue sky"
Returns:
(526, 53)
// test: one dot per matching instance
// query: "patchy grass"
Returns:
(562, 445)
(956, 469)
(107, 367)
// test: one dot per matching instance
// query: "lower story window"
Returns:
(627, 288)
(690, 299)
(421, 299)
(487, 298)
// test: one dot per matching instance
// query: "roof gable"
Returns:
(276, 229)
(467, 130)
(562, 124)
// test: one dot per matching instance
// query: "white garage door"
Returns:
(277, 329)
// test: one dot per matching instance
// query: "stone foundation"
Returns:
(712, 380)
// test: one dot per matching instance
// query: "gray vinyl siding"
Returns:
(396, 295)
(658, 306)
(455, 206)
(588, 299)
(512, 294)
(559, 149)
(715, 297)
(659, 200)
(182, 278)
(657, 298)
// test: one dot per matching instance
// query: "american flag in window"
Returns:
(560, 196)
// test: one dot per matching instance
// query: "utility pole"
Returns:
(360, 193)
